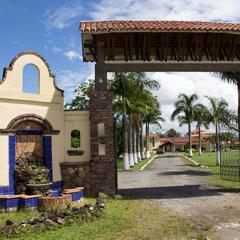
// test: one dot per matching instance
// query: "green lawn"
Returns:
(135, 167)
(208, 159)
(124, 220)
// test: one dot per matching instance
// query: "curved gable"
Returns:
(13, 75)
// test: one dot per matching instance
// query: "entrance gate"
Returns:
(147, 46)
(230, 163)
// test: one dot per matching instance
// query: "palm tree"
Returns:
(127, 89)
(121, 90)
(217, 110)
(234, 78)
(185, 109)
(202, 118)
(152, 117)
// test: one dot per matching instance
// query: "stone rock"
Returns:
(118, 197)
(60, 220)
(9, 222)
(50, 222)
(30, 170)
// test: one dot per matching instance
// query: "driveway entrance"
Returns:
(170, 183)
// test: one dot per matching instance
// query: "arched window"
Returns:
(30, 79)
(75, 139)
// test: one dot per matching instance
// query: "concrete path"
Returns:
(172, 184)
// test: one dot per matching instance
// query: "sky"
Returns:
(50, 27)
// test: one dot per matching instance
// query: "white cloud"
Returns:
(172, 84)
(72, 55)
(69, 80)
(63, 16)
(167, 10)
(56, 50)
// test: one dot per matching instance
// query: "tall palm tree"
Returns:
(217, 111)
(152, 117)
(130, 142)
(184, 109)
(202, 117)
(120, 88)
(233, 78)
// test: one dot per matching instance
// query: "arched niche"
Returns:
(31, 79)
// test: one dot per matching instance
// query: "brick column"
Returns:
(102, 164)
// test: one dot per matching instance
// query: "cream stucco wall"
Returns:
(48, 103)
(77, 120)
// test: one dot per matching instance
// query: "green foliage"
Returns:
(75, 139)
(119, 222)
(172, 133)
(131, 94)
(81, 99)
(187, 150)
(184, 108)
(223, 137)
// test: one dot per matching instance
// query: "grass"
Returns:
(124, 220)
(137, 166)
(208, 159)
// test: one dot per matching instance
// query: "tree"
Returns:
(153, 117)
(184, 110)
(234, 78)
(202, 117)
(172, 133)
(217, 110)
(81, 98)
(128, 101)
(128, 91)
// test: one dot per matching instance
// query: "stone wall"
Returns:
(76, 174)
(29, 143)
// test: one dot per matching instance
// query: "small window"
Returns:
(75, 139)
(30, 79)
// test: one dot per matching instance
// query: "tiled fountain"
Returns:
(33, 188)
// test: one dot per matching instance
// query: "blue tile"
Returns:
(77, 196)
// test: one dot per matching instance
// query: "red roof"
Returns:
(123, 26)
(180, 140)
(153, 135)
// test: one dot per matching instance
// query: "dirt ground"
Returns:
(184, 189)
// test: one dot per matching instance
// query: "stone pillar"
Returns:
(103, 176)
(103, 168)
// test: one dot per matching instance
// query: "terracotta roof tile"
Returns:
(120, 25)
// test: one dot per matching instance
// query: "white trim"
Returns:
(148, 162)
(126, 161)
(130, 156)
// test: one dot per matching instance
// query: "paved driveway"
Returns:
(172, 184)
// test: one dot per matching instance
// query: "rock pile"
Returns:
(29, 170)
(56, 218)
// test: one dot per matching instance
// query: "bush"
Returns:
(193, 150)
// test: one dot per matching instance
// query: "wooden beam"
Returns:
(126, 50)
(108, 48)
(232, 48)
(112, 46)
(201, 47)
(131, 48)
(176, 66)
(100, 68)
(144, 48)
(165, 49)
(93, 54)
